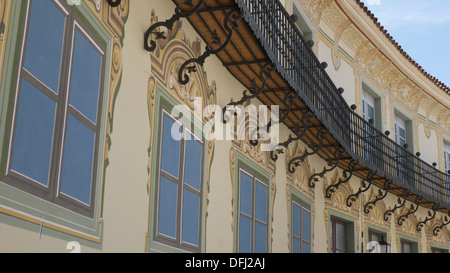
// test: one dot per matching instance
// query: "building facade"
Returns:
(126, 126)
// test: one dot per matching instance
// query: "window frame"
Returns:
(255, 179)
(302, 24)
(165, 100)
(51, 192)
(334, 222)
(412, 242)
(302, 207)
(17, 203)
(177, 242)
(446, 148)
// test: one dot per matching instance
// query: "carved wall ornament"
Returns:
(165, 61)
(299, 179)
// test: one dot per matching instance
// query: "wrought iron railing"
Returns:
(296, 62)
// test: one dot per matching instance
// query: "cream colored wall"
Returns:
(126, 199)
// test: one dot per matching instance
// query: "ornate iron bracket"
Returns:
(296, 161)
(150, 45)
(346, 176)
(288, 101)
(365, 186)
(412, 210)
(400, 204)
(300, 131)
(380, 196)
(230, 24)
(114, 3)
(437, 229)
(338, 155)
(431, 215)
(254, 89)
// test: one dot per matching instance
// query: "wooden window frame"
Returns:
(51, 192)
(255, 179)
(334, 248)
(177, 242)
(403, 243)
(301, 239)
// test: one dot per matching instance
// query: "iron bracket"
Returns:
(295, 162)
(346, 176)
(338, 155)
(300, 131)
(380, 196)
(431, 215)
(365, 186)
(150, 45)
(412, 210)
(437, 229)
(400, 204)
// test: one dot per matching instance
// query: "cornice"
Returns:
(377, 35)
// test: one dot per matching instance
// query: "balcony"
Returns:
(263, 35)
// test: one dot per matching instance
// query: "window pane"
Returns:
(246, 194)
(85, 79)
(191, 216)
(170, 155)
(33, 134)
(371, 112)
(406, 248)
(245, 231)
(306, 221)
(167, 210)
(44, 42)
(402, 133)
(260, 238)
(340, 236)
(77, 166)
(374, 237)
(295, 245)
(295, 220)
(193, 164)
(261, 202)
(306, 248)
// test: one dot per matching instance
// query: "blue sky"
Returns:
(422, 28)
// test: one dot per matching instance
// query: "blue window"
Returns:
(253, 214)
(52, 149)
(179, 187)
(301, 228)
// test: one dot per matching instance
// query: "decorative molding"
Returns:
(338, 200)
(373, 62)
(165, 61)
(299, 178)
(5, 13)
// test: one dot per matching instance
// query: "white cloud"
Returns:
(400, 13)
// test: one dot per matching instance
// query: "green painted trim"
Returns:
(307, 203)
(27, 206)
(414, 241)
(350, 232)
(241, 161)
(300, 197)
(446, 249)
(9, 77)
(164, 100)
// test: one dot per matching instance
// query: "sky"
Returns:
(421, 28)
